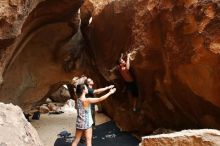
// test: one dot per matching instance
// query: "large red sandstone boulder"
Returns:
(15, 129)
(176, 63)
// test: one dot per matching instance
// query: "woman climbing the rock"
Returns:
(84, 117)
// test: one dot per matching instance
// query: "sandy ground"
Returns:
(50, 125)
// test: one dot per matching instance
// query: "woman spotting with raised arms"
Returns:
(84, 117)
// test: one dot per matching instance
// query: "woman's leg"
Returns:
(88, 134)
(77, 137)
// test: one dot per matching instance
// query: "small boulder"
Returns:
(15, 129)
(203, 137)
(52, 107)
(44, 109)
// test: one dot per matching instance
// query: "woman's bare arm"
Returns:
(95, 100)
(100, 90)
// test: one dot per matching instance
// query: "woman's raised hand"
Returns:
(111, 86)
(112, 90)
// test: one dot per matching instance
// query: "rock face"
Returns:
(204, 137)
(35, 52)
(15, 129)
(61, 95)
(12, 17)
(176, 64)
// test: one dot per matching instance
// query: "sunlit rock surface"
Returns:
(15, 129)
(203, 137)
